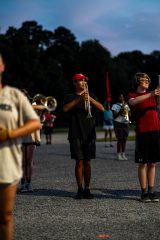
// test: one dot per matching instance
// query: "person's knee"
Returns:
(87, 164)
(151, 165)
(79, 163)
(142, 166)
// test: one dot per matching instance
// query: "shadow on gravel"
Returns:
(99, 193)
(49, 192)
(117, 194)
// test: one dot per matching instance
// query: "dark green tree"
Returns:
(94, 61)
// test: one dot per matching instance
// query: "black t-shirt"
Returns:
(79, 125)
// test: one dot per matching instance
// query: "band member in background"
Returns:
(121, 114)
(108, 124)
(48, 125)
(147, 153)
(29, 144)
(82, 135)
(17, 120)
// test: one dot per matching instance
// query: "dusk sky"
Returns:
(119, 25)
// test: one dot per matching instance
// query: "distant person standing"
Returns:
(121, 114)
(48, 125)
(108, 124)
(147, 152)
(29, 144)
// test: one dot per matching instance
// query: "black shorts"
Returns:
(47, 130)
(82, 150)
(121, 130)
(147, 147)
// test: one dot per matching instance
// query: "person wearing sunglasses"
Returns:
(143, 105)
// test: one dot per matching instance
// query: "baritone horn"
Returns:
(125, 113)
(50, 103)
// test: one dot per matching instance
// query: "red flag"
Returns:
(108, 89)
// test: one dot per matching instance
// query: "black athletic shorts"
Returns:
(121, 130)
(47, 130)
(81, 149)
(147, 147)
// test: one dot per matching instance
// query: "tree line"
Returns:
(43, 61)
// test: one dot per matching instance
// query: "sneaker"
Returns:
(145, 198)
(38, 143)
(79, 194)
(120, 157)
(23, 188)
(153, 197)
(29, 187)
(87, 194)
(124, 156)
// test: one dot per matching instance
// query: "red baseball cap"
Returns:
(79, 76)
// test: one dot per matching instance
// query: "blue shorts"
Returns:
(82, 150)
(108, 127)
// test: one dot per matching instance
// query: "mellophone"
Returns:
(50, 103)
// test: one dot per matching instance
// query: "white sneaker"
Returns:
(120, 157)
(124, 156)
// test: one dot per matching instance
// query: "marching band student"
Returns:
(82, 134)
(121, 114)
(147, 152)
(48, 125)
(29, 144)
(17, 119)
(108, 123)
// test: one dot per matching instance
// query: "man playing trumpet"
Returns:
(82, 135)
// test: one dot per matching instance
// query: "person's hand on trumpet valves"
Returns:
(85, 95)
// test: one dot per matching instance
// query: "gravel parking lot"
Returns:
(52, 213)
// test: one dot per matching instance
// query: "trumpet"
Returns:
(50, 103)
(87, 101)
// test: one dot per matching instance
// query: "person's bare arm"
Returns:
(72, 104)
(26, 129)
(139, 99)
(96, 104)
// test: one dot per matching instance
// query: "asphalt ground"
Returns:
(52, 213)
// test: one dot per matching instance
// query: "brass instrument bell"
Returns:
(50, 103)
